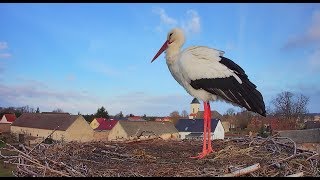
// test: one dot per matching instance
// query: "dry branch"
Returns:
(243, 171)
(154, 157)
(300, 174)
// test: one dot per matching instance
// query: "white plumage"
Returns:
(205, 74)
(203, 63)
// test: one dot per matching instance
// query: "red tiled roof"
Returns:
(10, 117)
(101, 120)
(135, 117)
(106, 125)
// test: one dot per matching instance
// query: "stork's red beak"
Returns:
(163, 48)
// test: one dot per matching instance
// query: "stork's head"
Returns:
(175, 40)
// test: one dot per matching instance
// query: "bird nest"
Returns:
(273, 156)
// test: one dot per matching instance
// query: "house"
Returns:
(194, 108)
(96, 122)
(214, 115)
(126, 130)
(226, 126)
(195, 112)
(6, 121)
(162, 119)
(312, 124)
(101, 133)
(63, 126)
(118, 118)
(8, 118)
(275, 123)
(193, 128)
(135, 118)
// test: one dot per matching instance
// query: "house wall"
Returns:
(302, 136)
(5, 127)
(57, 135)
(226, 126)
(79, 130)
(94, 123)
(101, 135)
(219, 132)
(194, 108)
(170, 136)
(183, 134)
(117, 132)
(4, 120)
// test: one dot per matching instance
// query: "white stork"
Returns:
(205, 74)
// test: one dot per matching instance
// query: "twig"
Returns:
(43, 139)
(243, 171)
(300, 174)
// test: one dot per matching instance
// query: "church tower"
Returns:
(194, 108)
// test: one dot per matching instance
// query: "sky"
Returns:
(79, 57)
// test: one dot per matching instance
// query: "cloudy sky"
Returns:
(79, 57)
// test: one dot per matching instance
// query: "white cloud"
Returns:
(164, 17)
(5, 55)
(70, 77)
(38, 94)
(101, 67)
(191, 23)
(230, 46)
(3, 45)
(311, 35)
(314, 60)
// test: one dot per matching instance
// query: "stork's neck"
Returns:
(172, 54)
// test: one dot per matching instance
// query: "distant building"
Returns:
(128, 130)
(63, 126)
(6, 121)
(193, 129)
(135, 118)
(195, 112)
(312, 124)
(162, 119)
(101, 132)
(96, 122)
(194, 108)
(8, 118)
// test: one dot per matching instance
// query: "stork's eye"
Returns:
(170, 34)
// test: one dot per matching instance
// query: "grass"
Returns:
(6, 171)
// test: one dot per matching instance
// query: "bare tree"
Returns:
(289, 105)
(58, 110)
(184, 114)
(174, 116)
(269, 111)
(230, 112)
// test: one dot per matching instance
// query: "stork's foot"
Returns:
(201, 155)
(210, 150)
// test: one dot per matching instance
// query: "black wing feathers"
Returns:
(244, 94)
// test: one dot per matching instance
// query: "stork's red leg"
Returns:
(205, 125)
(209, 150)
